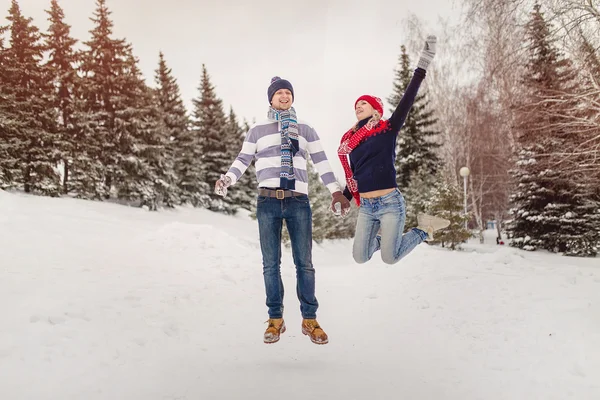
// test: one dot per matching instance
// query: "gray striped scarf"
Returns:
(289, 144)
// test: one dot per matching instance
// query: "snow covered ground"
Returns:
(102, 301)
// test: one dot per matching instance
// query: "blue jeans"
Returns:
(270, 213)
(387, 212)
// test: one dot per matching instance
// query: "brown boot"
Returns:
(276, 327)
(311, 328)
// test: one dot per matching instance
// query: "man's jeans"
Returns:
(389, 213)
(297, 214)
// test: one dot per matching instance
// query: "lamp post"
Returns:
(464, 172)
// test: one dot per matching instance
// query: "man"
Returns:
(280, 145)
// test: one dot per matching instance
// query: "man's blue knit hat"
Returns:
(276, 84)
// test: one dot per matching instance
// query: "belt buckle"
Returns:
(277, 194)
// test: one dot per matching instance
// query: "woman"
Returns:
(370, 147)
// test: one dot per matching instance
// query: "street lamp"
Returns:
(464, 172)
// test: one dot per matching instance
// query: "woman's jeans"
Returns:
(387, 212)
(270, 213)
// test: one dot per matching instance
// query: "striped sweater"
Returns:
(263, 141)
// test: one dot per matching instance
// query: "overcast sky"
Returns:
(332, 51)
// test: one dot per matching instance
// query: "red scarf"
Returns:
(349, 142)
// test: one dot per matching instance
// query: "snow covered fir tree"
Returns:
(61, 67)
(182, 148)
(214, 142)
(445, 201)
(29, 126)
(244, 195)
(550, 209)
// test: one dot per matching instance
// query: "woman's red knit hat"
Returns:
(375, 102)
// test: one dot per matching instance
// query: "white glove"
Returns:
(340, 206)
(222, 184)
(428, 52)
(339, 211)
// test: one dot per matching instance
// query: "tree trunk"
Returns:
(66, 176)
(498, 227)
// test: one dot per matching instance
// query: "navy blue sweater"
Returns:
(373, 160)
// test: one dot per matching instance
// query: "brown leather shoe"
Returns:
(274, 330)
(311, 328)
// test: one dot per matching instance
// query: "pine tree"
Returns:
(549, 209)
(143, 173)
(176, 122)
(251, 179)
(417, 195)
(104, 67)
(61, 65)
(324, 221)
(244, 194)
(527, 201)
(188, 162)
(123, 142)
(446, 202)
(590, 204)
(416, 142)
(94, 145)
(9, 124)
(29, 146)
(183, 145)
(210, 124)
(585, 214)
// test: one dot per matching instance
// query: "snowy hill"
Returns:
(102, 301)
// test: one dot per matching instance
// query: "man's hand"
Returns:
(222, 184)
(338, 197)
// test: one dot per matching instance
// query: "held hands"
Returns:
(339, 204)
(222, 184)
(428, 52)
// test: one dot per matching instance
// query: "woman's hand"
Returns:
(428, 52)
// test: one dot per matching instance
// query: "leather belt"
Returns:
(279, 194)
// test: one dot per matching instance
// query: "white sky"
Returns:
(332, 51)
